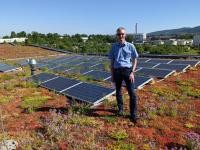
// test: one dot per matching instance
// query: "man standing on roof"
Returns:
(123, 56)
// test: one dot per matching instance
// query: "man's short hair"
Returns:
(120, 28)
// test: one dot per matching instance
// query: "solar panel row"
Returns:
(169, 61)
(86, 92)
(7, 68)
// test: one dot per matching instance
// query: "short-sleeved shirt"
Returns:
(122, 54)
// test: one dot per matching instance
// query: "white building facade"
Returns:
(196, 40)
(11, 40)
(139, 37)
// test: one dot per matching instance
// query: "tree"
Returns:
(13, 34)
(129, 37)
(21, 34)
(6, 37)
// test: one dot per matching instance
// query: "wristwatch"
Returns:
(132, 71)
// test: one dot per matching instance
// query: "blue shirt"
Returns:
(122, 54)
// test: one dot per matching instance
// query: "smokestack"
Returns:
(136, 28)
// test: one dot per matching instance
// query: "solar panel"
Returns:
(42, 77)
(146, 65)
(23, 63)
(157, 73)
(140, 81)
(164, 61)
(74, 63)
(61, 68)
(59, 84)
(2, 64)
(99, 67)
(41, 65)
(98, 75)
(79, 70)
(87, 64)
(188, 62)
(142, 59)
(7, 68)
(89, 93)
(177, 67)
(51, 65)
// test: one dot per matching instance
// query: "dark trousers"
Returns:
(123, 74)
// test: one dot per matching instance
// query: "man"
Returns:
(123, 56)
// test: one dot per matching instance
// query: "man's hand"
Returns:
(132, 77)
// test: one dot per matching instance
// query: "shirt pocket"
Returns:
(127, 54)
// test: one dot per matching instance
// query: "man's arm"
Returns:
(134, 62)
(132, 75)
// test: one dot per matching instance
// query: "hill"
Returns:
(179, 31)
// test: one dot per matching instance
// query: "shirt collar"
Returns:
(124, 44)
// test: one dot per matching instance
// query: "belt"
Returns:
(123, 68)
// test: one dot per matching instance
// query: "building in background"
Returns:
(138, 38)
(196, 40)
(12, 40)
(171, 42)
(158, 42)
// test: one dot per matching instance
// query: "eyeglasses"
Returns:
(118, 34)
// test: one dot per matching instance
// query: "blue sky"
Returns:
(96, 16)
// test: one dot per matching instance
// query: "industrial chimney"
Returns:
(136, 28)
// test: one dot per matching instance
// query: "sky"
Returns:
(96, 16)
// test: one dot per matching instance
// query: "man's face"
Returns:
(121, 36)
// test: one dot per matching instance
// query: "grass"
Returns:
(82, 120)
(189, 125)
(187, 88)
(121, 146)
(26, 84)
(190, 91)
(118, 135)
(165, 93)
(77, 130)
(110, 119)
(5, 99)
(106, 66)
(6, 77)
(31, 103)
